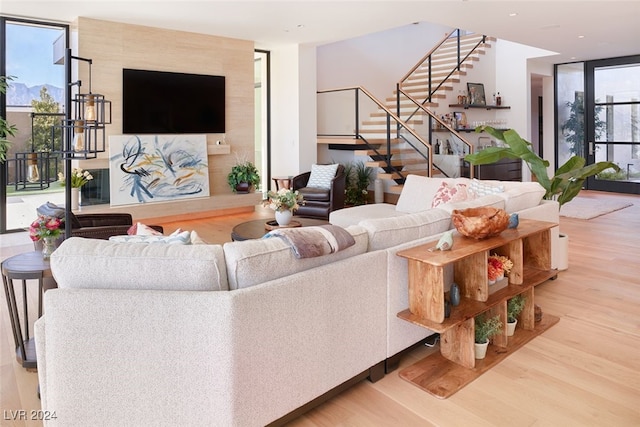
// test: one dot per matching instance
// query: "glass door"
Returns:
(612, 116)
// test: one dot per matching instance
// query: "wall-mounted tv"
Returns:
(170, 103)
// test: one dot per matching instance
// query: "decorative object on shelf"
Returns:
(480, 223)
(48, 229)
(537, 313)
(515, 306)
(454, 294)
(6, 129)
(445, 243)
(447, 309)
(284, 202)
(476, 94)
(498, 266)
(484, 329)
(243, 176)
(358, 178)
(498, 100)
(514, 220)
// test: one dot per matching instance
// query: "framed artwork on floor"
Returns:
(476, 94)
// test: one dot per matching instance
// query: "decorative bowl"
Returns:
(480, 223)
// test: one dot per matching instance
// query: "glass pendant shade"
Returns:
(90, 109)
(33, 174)
(78, 137)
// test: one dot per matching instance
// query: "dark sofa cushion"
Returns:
(315, 194)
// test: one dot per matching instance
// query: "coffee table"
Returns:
(255, 229)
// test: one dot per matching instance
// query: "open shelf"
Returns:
(484, 107)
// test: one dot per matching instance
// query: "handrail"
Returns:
(390, 114)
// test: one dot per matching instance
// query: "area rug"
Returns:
(588, 208)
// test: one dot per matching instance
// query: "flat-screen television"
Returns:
(168, 103)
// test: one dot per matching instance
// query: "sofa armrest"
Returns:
(107, 231)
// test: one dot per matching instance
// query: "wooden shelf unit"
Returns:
(528, 246)
(484, 107)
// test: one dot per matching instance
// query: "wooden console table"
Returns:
(529, 247)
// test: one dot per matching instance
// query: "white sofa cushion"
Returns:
(521, 195)
(387, 232)
(418, 192)
(101, 264)
(353, 216)
(251, 262)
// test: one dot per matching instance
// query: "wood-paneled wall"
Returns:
(113, 46)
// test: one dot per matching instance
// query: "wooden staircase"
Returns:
(405, 160)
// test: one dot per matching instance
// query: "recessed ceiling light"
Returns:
(580, 37)
(300, 26)
(512, 14)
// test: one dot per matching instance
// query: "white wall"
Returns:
(376, 61)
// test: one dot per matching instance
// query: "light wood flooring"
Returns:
(585, 371)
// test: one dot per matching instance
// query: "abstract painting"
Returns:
(157, 168)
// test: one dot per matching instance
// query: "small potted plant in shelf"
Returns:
(243, 176)
(284, 202)
(485, 328)
(514, 307)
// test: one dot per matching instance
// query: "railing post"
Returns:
(388, 155)
(458, 55)
(357, 124)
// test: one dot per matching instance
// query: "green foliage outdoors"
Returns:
(6, 129)
(563, 186)
(573, 128)
(42, 125)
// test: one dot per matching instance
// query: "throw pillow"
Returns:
(182, 238)
(321, 176)
(140, 229)
(479, 188)
(449, 194)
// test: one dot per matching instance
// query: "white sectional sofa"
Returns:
(240, 334)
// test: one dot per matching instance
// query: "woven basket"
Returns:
(480, 223)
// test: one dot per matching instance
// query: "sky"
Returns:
(30, 55)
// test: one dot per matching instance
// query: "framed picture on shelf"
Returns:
(476, 94)
(461, 119)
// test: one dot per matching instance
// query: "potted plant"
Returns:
(358, 178)
(514, 307)
(485, 328)
(6, 129)
(284, 202)
(563, 186)
(243, 176)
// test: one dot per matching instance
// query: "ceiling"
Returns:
(575, 30)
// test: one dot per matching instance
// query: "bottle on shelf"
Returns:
(498, 99)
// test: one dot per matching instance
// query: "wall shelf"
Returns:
(482, 107)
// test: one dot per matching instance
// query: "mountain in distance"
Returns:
(20, 95)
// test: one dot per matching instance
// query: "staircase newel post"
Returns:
(357, 105)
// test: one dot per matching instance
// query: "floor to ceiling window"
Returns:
(33, 102)
(598, 113)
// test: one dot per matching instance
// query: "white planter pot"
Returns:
(75, 199)
(511, 328)
(283, 217)
(481, 350)
(563, 252)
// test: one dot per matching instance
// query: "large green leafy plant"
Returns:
(6, 129)
(563, 186)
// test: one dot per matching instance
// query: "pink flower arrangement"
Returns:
(45, 226)
(497, 265)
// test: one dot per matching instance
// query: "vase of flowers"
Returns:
(497, 267)
(48, 230)
(79, 178)
(284, 202)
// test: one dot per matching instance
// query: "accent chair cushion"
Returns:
(313, 194)
(322, 175)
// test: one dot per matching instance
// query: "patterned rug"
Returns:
(587, 208)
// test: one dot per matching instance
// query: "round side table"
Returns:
(23, 267)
